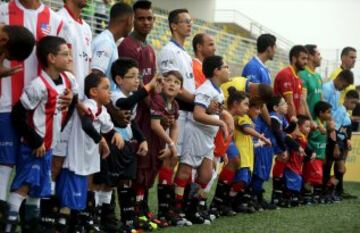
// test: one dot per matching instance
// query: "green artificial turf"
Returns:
(343, 217)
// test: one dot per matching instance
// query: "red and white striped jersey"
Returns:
(41, 98)
(79, 40)
(41, 22)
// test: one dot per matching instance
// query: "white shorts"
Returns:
(195, 161)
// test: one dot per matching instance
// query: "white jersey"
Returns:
(174, 57)
(41, 97)
(79, 40)
(85, 160)
(41, 22)
(104, 52)
(126, 133)
(200, 140)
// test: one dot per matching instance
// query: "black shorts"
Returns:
(120, 165)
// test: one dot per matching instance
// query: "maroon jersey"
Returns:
(143, 53)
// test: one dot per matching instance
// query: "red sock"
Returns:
(226, 175)
(179, 190)
(165, 176)
(139, 191)
(238, 187)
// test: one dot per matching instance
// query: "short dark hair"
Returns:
(345, 51)
(352, 94)
(321, 106)
(142, 4)
(273, 101)
(311, 48)
(47, 45)
(264, 41)
(210, 64)
(198, 39)
(121, 66)
(265, 92)
(120, 9)
(296, 50)
(346, 76)
(235, 96)
(175, 73)
(93, 80)
(301, 119)
(174, 16)
(21, 42)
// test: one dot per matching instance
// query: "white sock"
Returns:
(15, 201)
(97, 198)
(53, 185)
(5, 173)
(105, 197)
(211, 182)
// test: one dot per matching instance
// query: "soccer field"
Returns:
(343, 217)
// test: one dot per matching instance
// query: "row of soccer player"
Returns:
(136, 148)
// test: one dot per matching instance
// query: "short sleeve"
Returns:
(244, 121)
(101, 56)
(33, 94)
(167, 61)
(91, 107)
(74, 84)
(252, 74)
(106, 123)
(202, 99)
(284, 83)
(157, 106)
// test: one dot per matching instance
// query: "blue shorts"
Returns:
(71, 190)
(33, 172)
(232, 151)
(293, 181)
(263, 162)
(243, 175)
(9, 140)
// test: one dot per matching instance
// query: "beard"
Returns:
(299, 66)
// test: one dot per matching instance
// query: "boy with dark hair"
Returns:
(198, 145)
(40, 105)
(343, 142)
(119, 170)
(313, 170)
(74, 187)
(297, 146)
(11, 39)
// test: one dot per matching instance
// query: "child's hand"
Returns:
(314, 125)
(164, 153)
(265, 140)
(143, 149)
(224, 129)
(301, 151)
(155, 82)
(225, 159)
(118, 141)
(213, 107)
(65, 99)
(284, 156)
(172, 147)
(348, 142)
(294, 119)
(40, 151)
(313, 156)
(104, 148)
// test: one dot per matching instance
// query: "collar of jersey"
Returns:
(309, 70)
(216, 87)
(293, 71)
(176, 43)
(78, 20)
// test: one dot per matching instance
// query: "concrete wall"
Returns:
(201, 9)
